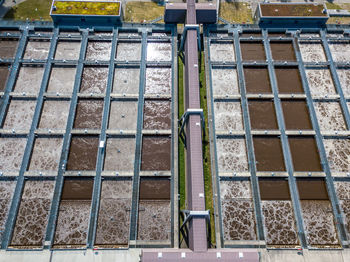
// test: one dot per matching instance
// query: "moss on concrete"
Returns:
(139, 12)
(236, 12)
(85, 8)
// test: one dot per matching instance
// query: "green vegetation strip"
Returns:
(208, 189)
(85, 8)
(206, 148)
(181, 148)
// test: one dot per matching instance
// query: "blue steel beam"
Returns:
(329, 179)
(249, 139)
(13, 74)
(50, 231)
(30, 142)
(101, 150)
(137, 164)
(285, 146)
(213, 137)
(174, 140)
(336, 79)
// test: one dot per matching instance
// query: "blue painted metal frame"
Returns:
(13, 74)
(249, 140)
(137, 164)
(50, 232)
(336, 79)
(30, 142)
(207, 47)
(184, 35)
(285, 145)
(329, 179)
(101, 151)
(174, 94)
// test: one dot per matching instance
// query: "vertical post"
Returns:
(137, 164)
(49, 239)
(329, 179)
(11, 221)
(285, 146)
(101, 151)
(249, 139)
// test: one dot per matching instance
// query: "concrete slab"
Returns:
(132, 255)
(25, 256)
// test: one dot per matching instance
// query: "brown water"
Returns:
(157, 114)
(249, 34)
(123, 115)
(274, 189)
(329, 116)
(11, 153)
(257, 80)
(154, 189)
(154, 220)
(94, 80)
(282, 51)
(343, 192)
(98, 50)
(126, 81)
(61, 80)
(4, 73)
(304, 153)
(88, 114)
(29, 79)
(72, 223)
(232, 155)
(120, 154)
(37, 50)
(158, 81)
(114, 214)
(33, 214)
(68, 50)
(6, 192)
(8, 48)
(312, 189)
(83, 153)
(253, 51)
(228, 116)
(46, 154)
(238, 219)
(262, 114)
(277, 34)
(20, 114)
(296, 115)
(279, 223)
(268, 153)
(77, 189)
(54, 114)
(156, 153)
(288, 80)
(237, 210)
(338, 152)
(319, 222)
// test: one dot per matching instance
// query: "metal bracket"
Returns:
(184, 35)
(188, 215)
(183, 120)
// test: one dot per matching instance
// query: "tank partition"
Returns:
(154, 203)
(294, 108)
(72, 115)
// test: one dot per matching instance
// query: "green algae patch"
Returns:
(85, 8)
